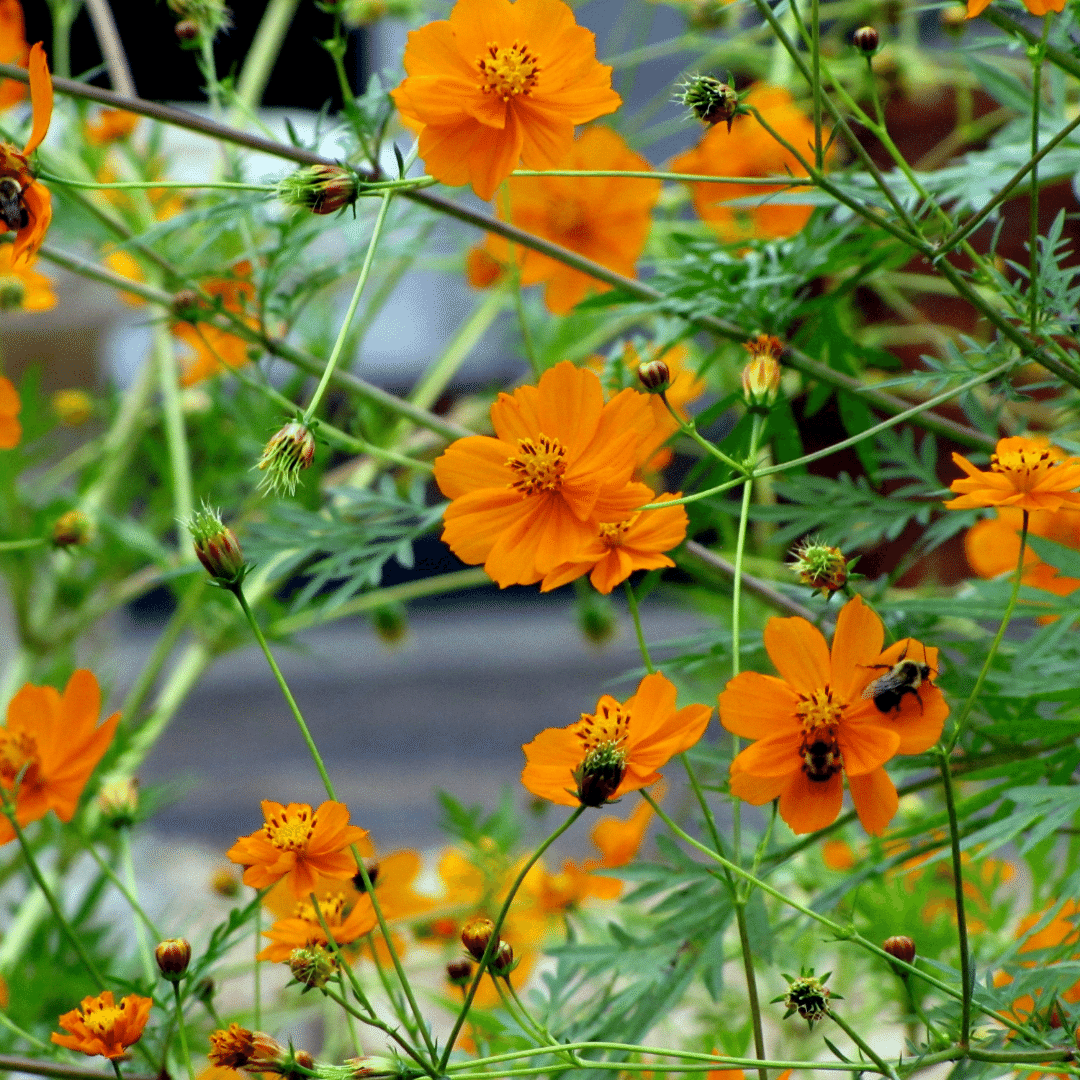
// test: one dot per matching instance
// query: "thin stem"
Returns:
(131, 895)
(182, 1030)
(144, 185)
(740, 549)
(819, 149)
(256, 971)
(18, 1032)
(931, 1030)
(688, 427)
(175, 434)
(263, 54)
(339, 956)
(751, 984)
(112, 48)
(965, 709)
(354, 1038)
(374, 1022)
(365, 270)
(631, 600)
(116, 1068)
(958, 888)
(862, 1044)
(1037, 55)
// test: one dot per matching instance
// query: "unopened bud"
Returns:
(372, 1066)
(600, 774)
(710, 100)
(900, 947)
(72, 407)
(475, 935)
(204, 989)
(288, 452)
(459, 972)
(322, 189)
(391, 623)
(186, 30)
(185, 303)
(596, 618)
(118, 801)
(302, 1064)
(655, 376)
(313, 966)
(866, 40)
(72, 529)
(225, 883)
(820, 566)
(173, 956)
(808, 996)
(217, 548)
(761, 375)
(953, 20)
(502, 963)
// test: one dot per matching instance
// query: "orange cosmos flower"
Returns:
(346, 923)
(497, 83)
(533, 497)
(1061, 930)
(212, 349)
(25, 205)
(111, 126)
(614, 750)
(100, 1026)
(814, 724)
(621, 547)
(10, 407)
(1027, 473)
(604, 218)
(298, 843)
(749, 150)
(13, 50)
(1036, 7)
(22, 288)
(55, 742)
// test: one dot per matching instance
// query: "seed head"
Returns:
(217, 548)
(475, 935)
(709, 99)
(173, 956)
(322, 189)
(288, 452)
(808, 996)
(903, 948)
(866, 40)
(820, 566)
(313, 966)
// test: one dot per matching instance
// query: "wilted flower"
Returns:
(808, 996)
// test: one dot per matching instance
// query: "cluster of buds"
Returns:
(475, 936)
(200, 19)
(257, 1052)
(118, 801)
(313, 966)
(820, 566)
(761, 375)
(598, 777)
(289, 451)
(808, 996)
(217, 549)
(173, 956)
(322, 189)
(72, 529)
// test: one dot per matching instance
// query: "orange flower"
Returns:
(112, 125)
(837, 855)
(126, 265)
(605, 219)
(1029, 474)
(55, 742)
(497, 83)
(815, 723)
(25, 205)
(749, 150)
(1036, 7)
(214, 349)
(533, 497)
(614, 750)
(10, 407)
(298, 843)
(620, 841)
(346, 923)
(22, 288)
(100, 1026)
(13, 50)
(621, 547)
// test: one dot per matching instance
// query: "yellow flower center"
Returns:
(819, 749)
(540, 465)
(291, 832)
(508, 71)
(612, 534)
(607, 727)
(332, 908)
(17, 752)
(1026, 465)
(102, 1019)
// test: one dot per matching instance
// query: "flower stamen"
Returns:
(291, 833)
(540, 463)
(508, 72)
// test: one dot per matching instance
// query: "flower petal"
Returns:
(865, 746)
(875, 799)
(799, 652)
(856, 644)
(41, 97)
(756, 706)
(777, 755)
(808, 805)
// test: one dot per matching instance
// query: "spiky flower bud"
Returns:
(322, 189)
(459, 972)
(808, 996)
(600, 774)
(475, 935)
(502, 963)
(903, 948)
(710, 100)
(288, 452)
(118, 801)
(173, 956)
(820, 566)
(313, 966)
(72, 407)
(217, 548)
(761, 375)
(72, 529)
(209, 18)
(866, 40)
(654, 375)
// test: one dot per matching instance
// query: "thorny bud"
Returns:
(600, 774)
(808, 996)
(390, 622)
(72, 529)
(12, 292)
(655, 376)
(313, 966)
(900, 947)
(118, 801)
(502, 963)
(475, 935)
(225, 883)
(322, 189)
(953, 20)
(217, 548)
(72, 407)
(761, 376)
(820, 566)
(288, 452)
(866, 40)
(709, 99)
(459, 972)
(173, 956)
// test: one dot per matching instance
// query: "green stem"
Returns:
(116, 1068)
(263, 54)
(740, 547)
(689, 428)
(365, 270)
(6, 1021)
(175, 435)
(751, 984)
(354, 1038)
(145, 185)
(20, 545)
(339, 956)
(131, 895)
(374, 1022)
(1037, 55)
(182, 1030)
(815, 68)
(931, 1031)
(883, 1066)
(965, 710)
(256, 971)
(958, 889)
(631, 600)
(494, 939)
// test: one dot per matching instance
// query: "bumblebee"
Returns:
(821, 759)
(12, 211)
(904, 677)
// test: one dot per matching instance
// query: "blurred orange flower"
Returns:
(100, 1026)
(346, 922)
(298, 844)
(55, 742)
(112, 125)
(615, 750)
(533, 497)
(1036, 7)
(10, 407)
(126, 265)
(814, 724)
(212, 349)
(1061, 930)
(497, 83)
(606, 219)
(22, 288)
(749, 150)
(1027, 473)
(13, 50)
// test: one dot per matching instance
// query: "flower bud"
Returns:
(710, 100)
(373, 877)
(185, 303)
(953, 20)
(207, 17)
(72, 407)
(761, 376)
(596, 618)
(322, 189)
(459, 972)
(186, 30)
(173, 956)
(225, 882)
(72, 529)
(302, 1064)
(288, 452)
(900, 947)
(600, 774)
(820, 566)
(217, 548)
(866, 40)
(502, 963)
(475, 935)
(372, 1066)
(655, 376)
(267, 1055)
(118, 801)
(313, 966)
(808, 996)
(391, 623)
(204, 989)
